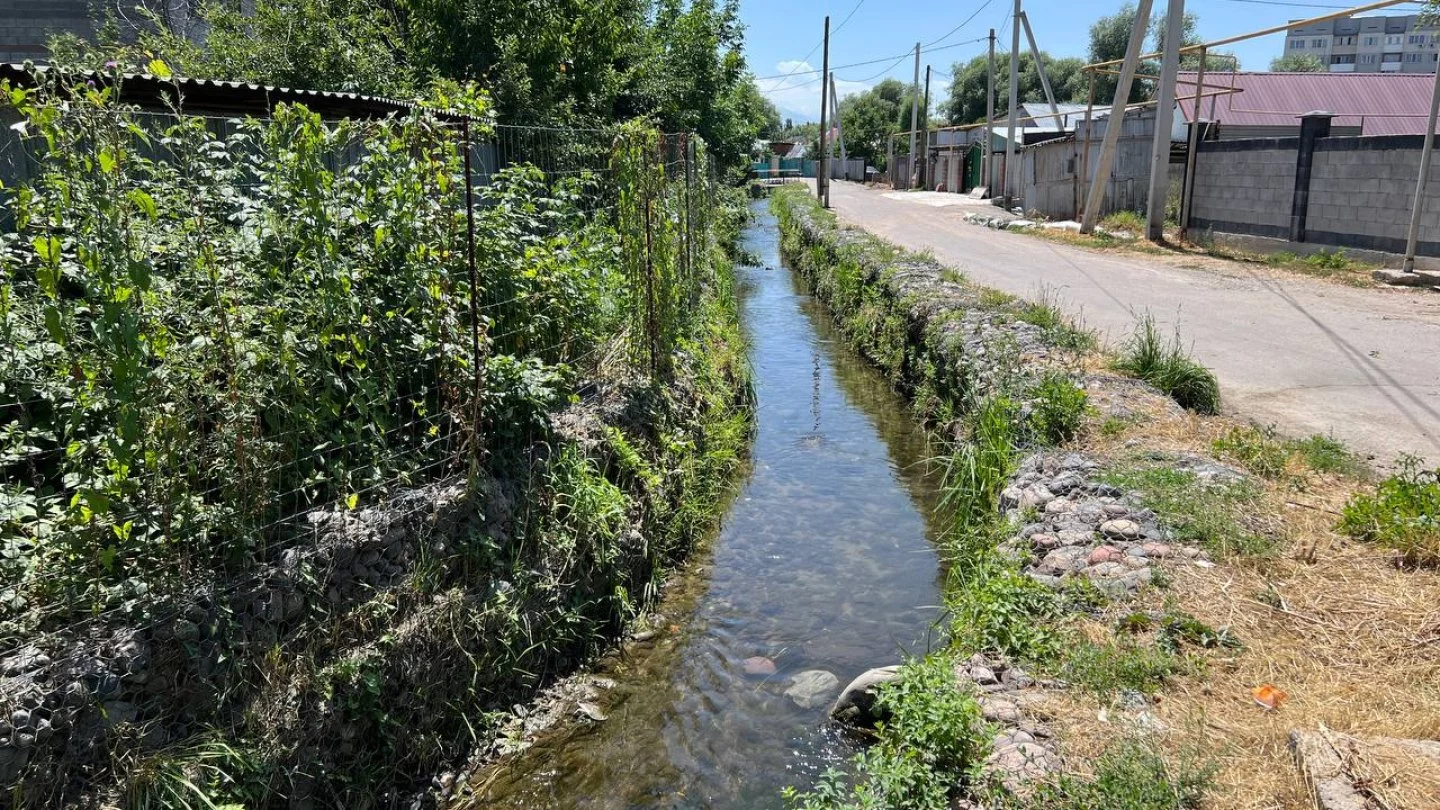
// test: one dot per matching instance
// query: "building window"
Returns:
(1344, 40)
(1416, 39)
(1297, 43)
(1317, 43)
(1372, 40)
(1392, 40)
(1344, 59)
(1368, 59)
(1391, 57)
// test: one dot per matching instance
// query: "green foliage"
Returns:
(204, 775)
(1402, 514)
(1211, 515)
(1105, 669)
(966, 102)
(1124, 221)
(1060, 330)
(1298, 63)
(1129, 775)
(1058, 410)
(1326, 259)
(1263, 451)
(931, 741)
(868, 119)
(1169, 368)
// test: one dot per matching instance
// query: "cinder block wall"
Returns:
(1245, 186)
(1361, 190)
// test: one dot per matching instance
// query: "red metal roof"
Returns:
(1278, 99)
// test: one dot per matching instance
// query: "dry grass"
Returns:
(1352, 638)
(1216, 258)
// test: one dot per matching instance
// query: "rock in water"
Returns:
(812, 688)
(759, 665)
(857, 701)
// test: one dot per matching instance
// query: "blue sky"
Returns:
(779, 35)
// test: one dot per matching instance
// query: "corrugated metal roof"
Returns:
(214, 96)
(1279, 99)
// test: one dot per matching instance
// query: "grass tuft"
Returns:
(1264, 452)
(1124, 221)
(1167, 366)
(1130, 775)
(1208, 514)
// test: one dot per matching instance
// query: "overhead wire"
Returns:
(806, 58)
(963, 23)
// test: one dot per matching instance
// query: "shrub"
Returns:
(1124, 221)
(1058, 410)
(1167, 366)
(1403, 513)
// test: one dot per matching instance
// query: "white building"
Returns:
(1396, 44)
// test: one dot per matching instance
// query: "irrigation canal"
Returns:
(824, 562)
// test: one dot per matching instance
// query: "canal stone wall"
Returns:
(355, 667)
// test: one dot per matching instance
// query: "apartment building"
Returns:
(1397, 44)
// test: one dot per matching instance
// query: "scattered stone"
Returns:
(1120, 529)
(856, 702)
(999, 710)
(1019, 765)
(1035, 497)
(1157, 550)
(1062, 561)
(1045, 542)
(1105, 554)
(1073, 537)
(590, 711)
(759, 666)
(812, 688)
(643, 636)
(1059, 506)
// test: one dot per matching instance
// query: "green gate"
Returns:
(974, 160)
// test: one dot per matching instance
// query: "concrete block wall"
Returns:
(1361, 191)
(1245, 186)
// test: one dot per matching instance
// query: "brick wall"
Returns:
(1245, 186)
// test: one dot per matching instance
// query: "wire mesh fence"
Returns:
(218, 331)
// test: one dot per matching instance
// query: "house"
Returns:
(1269, 105)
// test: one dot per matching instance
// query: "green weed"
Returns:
(1105, 669)
(1211, 515)
(1058, 410)
(1402, 514)
(1130, 775)
(1168, 367)
(1130, 221)
(1060, 330)
(1264, 452)
(1325, 259)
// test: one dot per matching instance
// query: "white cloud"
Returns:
(797, 92)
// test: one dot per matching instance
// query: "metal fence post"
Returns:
(479, 362)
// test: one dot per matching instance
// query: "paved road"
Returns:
(1309, 356)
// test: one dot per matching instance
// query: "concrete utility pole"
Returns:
(1413, 239)
(1164, 118)
(839, 127)
(822, 178)
(1096, 196)
(1006, 171)
(989, 147)
(925, 181)
(1040, 69)
(914, 118)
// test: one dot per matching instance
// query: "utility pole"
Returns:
(925, 142)
(1413, 238)
(914, 118)
(1164, 117)
(1006, 172)
(989, 146)
(1101, 180)
(1040, 69)
(839, 127)
(822, 179)
(1194, 146)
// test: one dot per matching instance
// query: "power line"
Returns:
(1289, 4)
(806, 58)
(966, 22)
(869, 61)
(847, 18)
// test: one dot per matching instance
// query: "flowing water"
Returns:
(823, 562)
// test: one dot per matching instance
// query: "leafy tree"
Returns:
(868, 118)
(1298, 63)
(966, 104)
